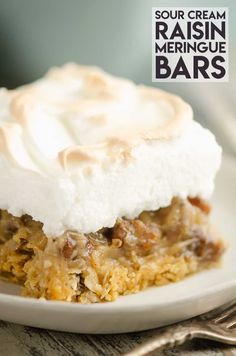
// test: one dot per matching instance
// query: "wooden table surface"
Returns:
(17, 340)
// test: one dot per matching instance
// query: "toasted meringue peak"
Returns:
(91, 147)
(85, 107)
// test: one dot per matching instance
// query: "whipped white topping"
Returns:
(80, 148)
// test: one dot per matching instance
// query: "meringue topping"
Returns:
(80, 148)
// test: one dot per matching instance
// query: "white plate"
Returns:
(153, 307)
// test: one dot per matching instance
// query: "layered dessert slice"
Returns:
(104, 187)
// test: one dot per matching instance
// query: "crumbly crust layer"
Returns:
(155, 249)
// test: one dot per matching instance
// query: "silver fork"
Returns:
(216, 325)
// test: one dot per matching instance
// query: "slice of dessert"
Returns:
(103, 187)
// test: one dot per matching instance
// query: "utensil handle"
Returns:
(170, 337)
